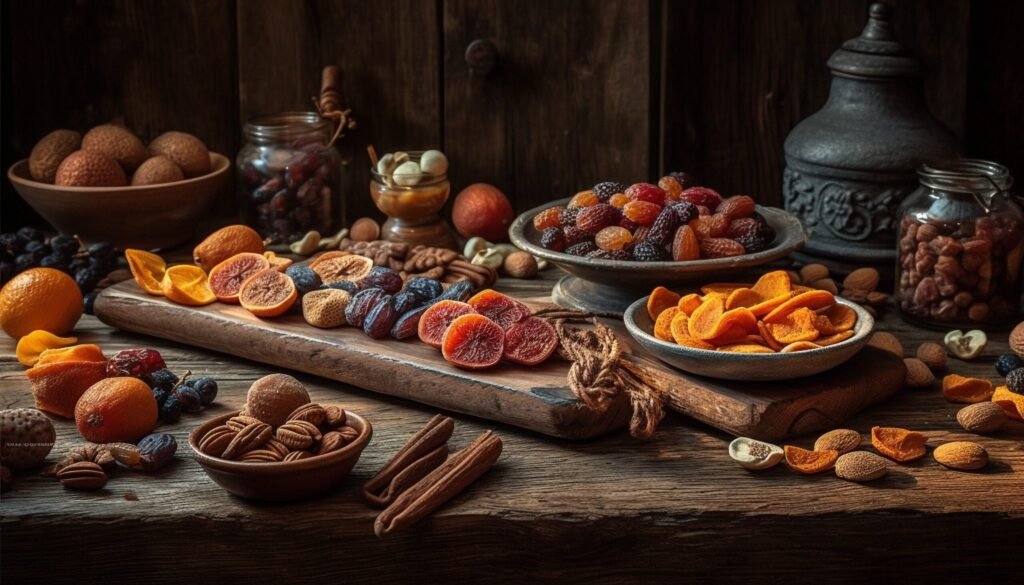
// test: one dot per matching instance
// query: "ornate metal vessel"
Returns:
(849, 165)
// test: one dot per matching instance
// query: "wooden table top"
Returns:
(605, 511)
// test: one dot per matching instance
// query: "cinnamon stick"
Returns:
(420, 455)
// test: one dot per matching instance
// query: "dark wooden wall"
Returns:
(584, 89)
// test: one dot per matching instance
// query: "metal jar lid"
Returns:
(876, 52)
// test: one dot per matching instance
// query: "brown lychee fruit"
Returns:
(187, 151)
(157, 170)
(117, 143)
(50, 151)
(86, 168)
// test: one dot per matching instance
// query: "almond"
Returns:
(813, 272)
(862, 279)
(933, 355)
(886, 342)
(861, 466)
(840, 440)
(982, 418)
(918, 374)
(961, 455)
(825, 284)
(1017, 340)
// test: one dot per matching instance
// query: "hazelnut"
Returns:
(520, 265)
(365, 229)
(272, 398)
(1017, 340)
(933, 355)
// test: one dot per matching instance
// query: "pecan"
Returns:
(334, 416)
(420, 455)
(298, 434)
(83, 475)
(349, 434)
(251, 437)
(332, 441)
(216, 440)
(309, 412)
(297, 456)
(262, 455)
(90, 452)
(440, 485)
(239, 422)
(278, 447)
(435, 273)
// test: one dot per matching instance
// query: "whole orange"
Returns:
(40, 298)
(482, 210)
(116, 410)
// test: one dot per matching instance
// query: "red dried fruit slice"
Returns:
(435, 320)
(502, 309)
(268, 293)
(473, 342)
(530, 342)
(227, 277)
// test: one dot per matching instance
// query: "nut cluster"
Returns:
(421, 261)
(311, 429)
(860, 286)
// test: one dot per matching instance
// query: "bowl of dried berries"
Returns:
(617, 241)
(768, 330)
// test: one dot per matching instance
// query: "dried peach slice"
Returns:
(663, 324)
(836, 319)
(337, 266)
(795, 326)
(500, 308)
(799, 346)
(689, 303)
(268, 293)
(813, 300)
(809, 462)
(661, 298)
(32, 345)
(745, 348)
(833, 339)
(227, 277)
(706, 316)
(956, 388)
(473, 342)
(1011, 402)
(147, 269)
(773, 284)
(762, 328)
(187, 285)
(722, 288)
(898, 444)
(86, 352)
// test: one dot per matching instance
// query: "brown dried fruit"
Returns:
(862, 279)
(961, 455)
(861, 466)
(839, 440)
(1017, 340)
(332, 441)
(886, 341)
(933, 355)
(982, 418)
(84, 475)
(918, 374)
(334, 416)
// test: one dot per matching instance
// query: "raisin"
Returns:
(664, 227)
(701, 196)
(607, 189)
(381, 317)
(156, 450)
(547, 218)
(574, 235)
(553, 239)
(685, 211)
(426, 289)
(641, 233)
(581, 249)
(583, 199)
(170, 410)
(629, 224)
(406, 301)
(597, 217)
(613, 238)
(720, 248)
(407, 325)
(361, 304)
(618, 200)
(671, 186)
(737, 206)
(685, 246)
(642, 212)
(752, 243)
(650, 252)
(135, 362)
(620, 255)
(568, 216)
(457, 291)
(383, 278)
(646, 192)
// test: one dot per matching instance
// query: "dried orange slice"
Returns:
(187, 285)
(278, 263)
(86, 352)
(227, 277)
(268, 293)
(661, 298)
(32, 345)
(147, 269)
(707, 315)
(836, 319)
(335, 268)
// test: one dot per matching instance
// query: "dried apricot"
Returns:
(689, 303)
(773, 284)
(57, 386)
(730, 325)
(799, 346)
(723, 288)
(661, 298)
(473, 342)
(530, 342)
(834, 338)
(898, 444)
(836, 319)
(119, 409)
(502, 309)
(187, 285)
(812, 299)
(225, 243)
(809, 462)
(707, 315)
(435, 320)
(267, 293)
(766, 335)
(745, 348)
(1011, 402)
(663, 324)
(334, 268)
(31, 345)
(86, 352)
(227, 277)
(547, 218)
(147, 269)
(956, 388)
(795, 326)
(685, 246)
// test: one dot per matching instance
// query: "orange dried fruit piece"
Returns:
(762, 328)
(86, 352)
(498, 307)
(57, 386)
(812, 299)
(706, 316)
(799, 346)
(278, 263)
(722, 288)
(833, 339)
(836, 319)
(473, 342)
(267, 293)
(809, 462)
(795, 326)
(187, 285)
(745, 348)
(898, 444)
(957, 388)
(1011, 402)
(689, 303)
(435, 320)
(773, 284)
(225, 243)
(32, 345)
(663, 324)
(227, 277)
(338, 266)
(120, 409)
(147, 269)
(734, 324)
(679, 329)
(758, 305)
(661, 298)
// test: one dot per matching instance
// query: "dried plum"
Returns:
(405, 301)
(408, 324)
(426, 289)
(383, 278)
(381, 317)
(457, 291)
(361, 304)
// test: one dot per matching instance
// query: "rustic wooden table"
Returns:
(606, 511)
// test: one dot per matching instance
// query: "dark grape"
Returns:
(87, 279)
(54, 261)
(66, 246)
(170, 411)
(207, 389)
(6, 271)
(31, 234)
(25, 261)
(10, 244)
(38, 248)
(101, 250)
(78, 264)
(89, 302)
(304, 278)
(162, 378)
(160, 394)
(190, 399)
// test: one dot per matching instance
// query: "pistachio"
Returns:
(474, 245)
(966, 346)
(434, 162)
(408, 174)
(307, 245)
(490, 258)
(754, 454)
(332, 242)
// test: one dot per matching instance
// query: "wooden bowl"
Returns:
(146, 216)
(751, 367)
(284, 481)
(607, 287)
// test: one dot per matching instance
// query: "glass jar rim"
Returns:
(966, 175)
(286, 125)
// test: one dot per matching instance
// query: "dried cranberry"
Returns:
(646, 192)
(137, 363)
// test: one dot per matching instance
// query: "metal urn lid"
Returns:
(876, 52)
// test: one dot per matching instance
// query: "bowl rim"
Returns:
(353, 449)
(220, 165)
(793, 238)
(641, 335)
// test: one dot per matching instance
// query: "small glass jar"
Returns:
(411, 203)
(289, 179)
(960, 247)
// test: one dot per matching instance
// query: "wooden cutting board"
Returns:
(535, 398)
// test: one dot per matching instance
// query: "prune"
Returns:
(406, 301)
(345, 285)
(138, 363)
(381, 317)
(426, 289)
(383, 278)
(156, 450)
(530, 342)
(500, 308)
(170, 410)
(408, 324)
(304, 278)
(1007, 363)
(457, 291)
(190, 399)
(207, 389)
(361, 305)
(473, 342)
(162, 378)
(435, 320)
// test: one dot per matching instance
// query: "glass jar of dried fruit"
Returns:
(289, 178)
(960, 247)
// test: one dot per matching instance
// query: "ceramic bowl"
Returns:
(607, 287)
(145, 216)
(284, 481)
(748, 366)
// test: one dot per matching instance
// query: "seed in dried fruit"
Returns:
(473, 342)
(427, 289)
(755, 455)
(701, 196)
(664, 227)
(581, 249)
(361, 304)
(613, 238)
(642, 212)
(500, 308)
(383, 278)
(436, 319)
(530, 342)
(380, 319)
(304, 277)
(720, 248)
(839, 440)
(646, 192)
(650, 252)
(597, 217)
(156, 450)
(553, 239)
(207, 389)
(966, 346)
(135, 362)
(547, 218)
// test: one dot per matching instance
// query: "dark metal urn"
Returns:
(849, 165)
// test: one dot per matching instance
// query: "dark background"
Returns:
(585, 90)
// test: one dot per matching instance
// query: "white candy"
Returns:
(408, 174)
(434, 162)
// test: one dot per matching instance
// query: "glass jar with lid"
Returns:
(289, 178)
(960, 247)
(412, 203)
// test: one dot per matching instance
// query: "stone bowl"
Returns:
(283, 481)
(752, 367)
(144, 216)
(608, 287)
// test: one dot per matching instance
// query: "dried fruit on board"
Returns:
(809, 462)
(502, 309)
(473, 342)
(227, 277)
(268, 293)
(530, 342)
(435, 321)
(898, 444)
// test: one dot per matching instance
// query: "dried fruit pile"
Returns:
(673, 220)
(772, 315)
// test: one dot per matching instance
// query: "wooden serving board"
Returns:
(535, 398)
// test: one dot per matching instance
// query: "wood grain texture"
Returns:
(389, 55)
(616, 510)
(567, 105)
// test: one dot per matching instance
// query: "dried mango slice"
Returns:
(1011, 402)
(795, 326)
(898, 444)
(32, 345)
(703, 319)
(956, 388)
(147, 269)
(813, 300)
(689, 303)
(833, 339)
(663, 324)
(809, 462)
(679, 327)
(86, 352)
(773, 284)
(687, 341)
(745, 348)
(762, 328)
(661, 298)
(187, 285)
(723, 288)
(836, 319)
(742, 297)
(799, 346)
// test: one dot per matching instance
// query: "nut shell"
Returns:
(982, 418)
(84, 168)
(863, 279)
(187, 151)
(117, 143)
(520, 265)
(861, 466)
(156, 171)
(26, 437)
(364, 229)
(886, 341)
(1017, 340)
(919, 375)
(272, 398)
(933, 355)
(50, 151)
(84, 476)
(961, 455)
(839, 440)
(813, 272)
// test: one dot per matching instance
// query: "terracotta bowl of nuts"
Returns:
(260, 474)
